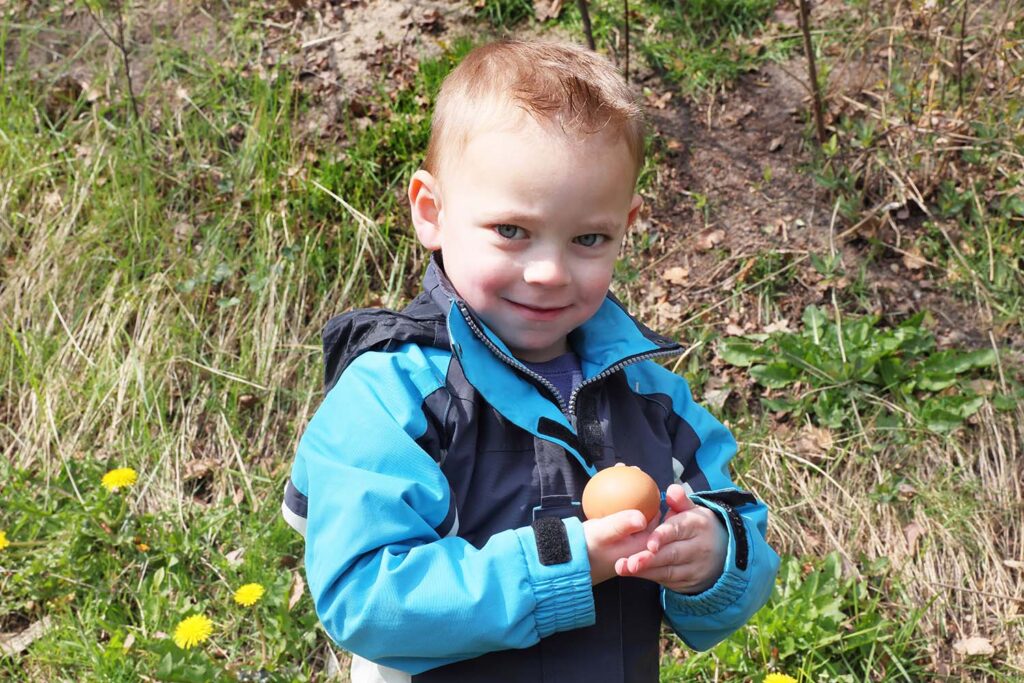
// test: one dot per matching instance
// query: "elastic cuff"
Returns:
(565, 598)
(726, 591)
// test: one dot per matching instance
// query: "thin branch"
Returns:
(122, 47)
(960, 58)
(812, 70)
(587, 28)
(625, 4)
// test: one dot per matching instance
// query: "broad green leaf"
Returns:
(957, 362)
(741, 352)
(1005, 403)
(775, 375)
(780, 405)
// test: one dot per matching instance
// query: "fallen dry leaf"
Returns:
(814, 441)
(975, 646)
(912, 532)
(677, 275)
(658, 101)
(780, 325)
(709, 240)
(906, 491)
(298, 587)
(913, 259)
(734, 330)
(547, 9)
(669, 312)
(716, 398)
(776, 143)
(199, 468)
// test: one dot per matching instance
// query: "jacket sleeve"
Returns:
(748, 576)
(390, 580)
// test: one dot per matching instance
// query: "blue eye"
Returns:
(590, 240)
(509, 232)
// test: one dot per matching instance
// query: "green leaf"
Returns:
(775, 375)
(780, 405)
(957, 362)
(1005, 403)
(814, 322)
(943, 414)
(741, 352)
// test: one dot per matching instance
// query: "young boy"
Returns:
(438, 485)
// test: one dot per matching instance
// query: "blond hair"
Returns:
(552, 82)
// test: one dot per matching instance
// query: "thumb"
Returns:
(677, 499)
(623, 523)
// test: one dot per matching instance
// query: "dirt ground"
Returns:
(741, 153)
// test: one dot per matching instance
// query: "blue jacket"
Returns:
(438, 488)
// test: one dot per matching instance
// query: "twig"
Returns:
(122, 47)
(587, 28)
(625, 14)
(812, 70)
(976, 592)
(960, 58)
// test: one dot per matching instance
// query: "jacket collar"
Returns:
(612, 336)
(610, 340)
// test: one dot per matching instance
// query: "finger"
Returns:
(622, 524)
(680, 527)
(636, 564)
(669, 531)
(674, 577)
(677, 499)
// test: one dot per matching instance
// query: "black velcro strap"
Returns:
(731, 497)
(729, 500)
(548, 427)
(552, 541)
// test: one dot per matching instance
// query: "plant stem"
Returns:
(625, 4)
(812, 71)
(122, 47)
(587, 28)
(960, 58)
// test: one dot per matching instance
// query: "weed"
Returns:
(849, 373)
(820, 625)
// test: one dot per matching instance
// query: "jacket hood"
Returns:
(356, 332)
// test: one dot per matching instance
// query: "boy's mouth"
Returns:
(538, 312)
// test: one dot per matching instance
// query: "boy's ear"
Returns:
(425, 202)
(634, 210)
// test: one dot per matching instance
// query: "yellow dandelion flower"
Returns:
(249, 594)
(779, 678)
(192, 631)
(3, 540)
(119, 478)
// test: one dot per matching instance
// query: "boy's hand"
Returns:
(686, 552)
(615, 538)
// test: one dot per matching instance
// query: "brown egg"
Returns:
(621, 488)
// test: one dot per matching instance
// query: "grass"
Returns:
(161, 304)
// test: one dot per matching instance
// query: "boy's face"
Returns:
(529, 223)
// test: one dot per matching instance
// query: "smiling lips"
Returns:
(538, 312)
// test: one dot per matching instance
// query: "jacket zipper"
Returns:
(571, 412)
(505, 358)
(612, 369)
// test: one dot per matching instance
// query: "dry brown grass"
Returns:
(954, 534)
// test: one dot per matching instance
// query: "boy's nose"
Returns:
(549, 271)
